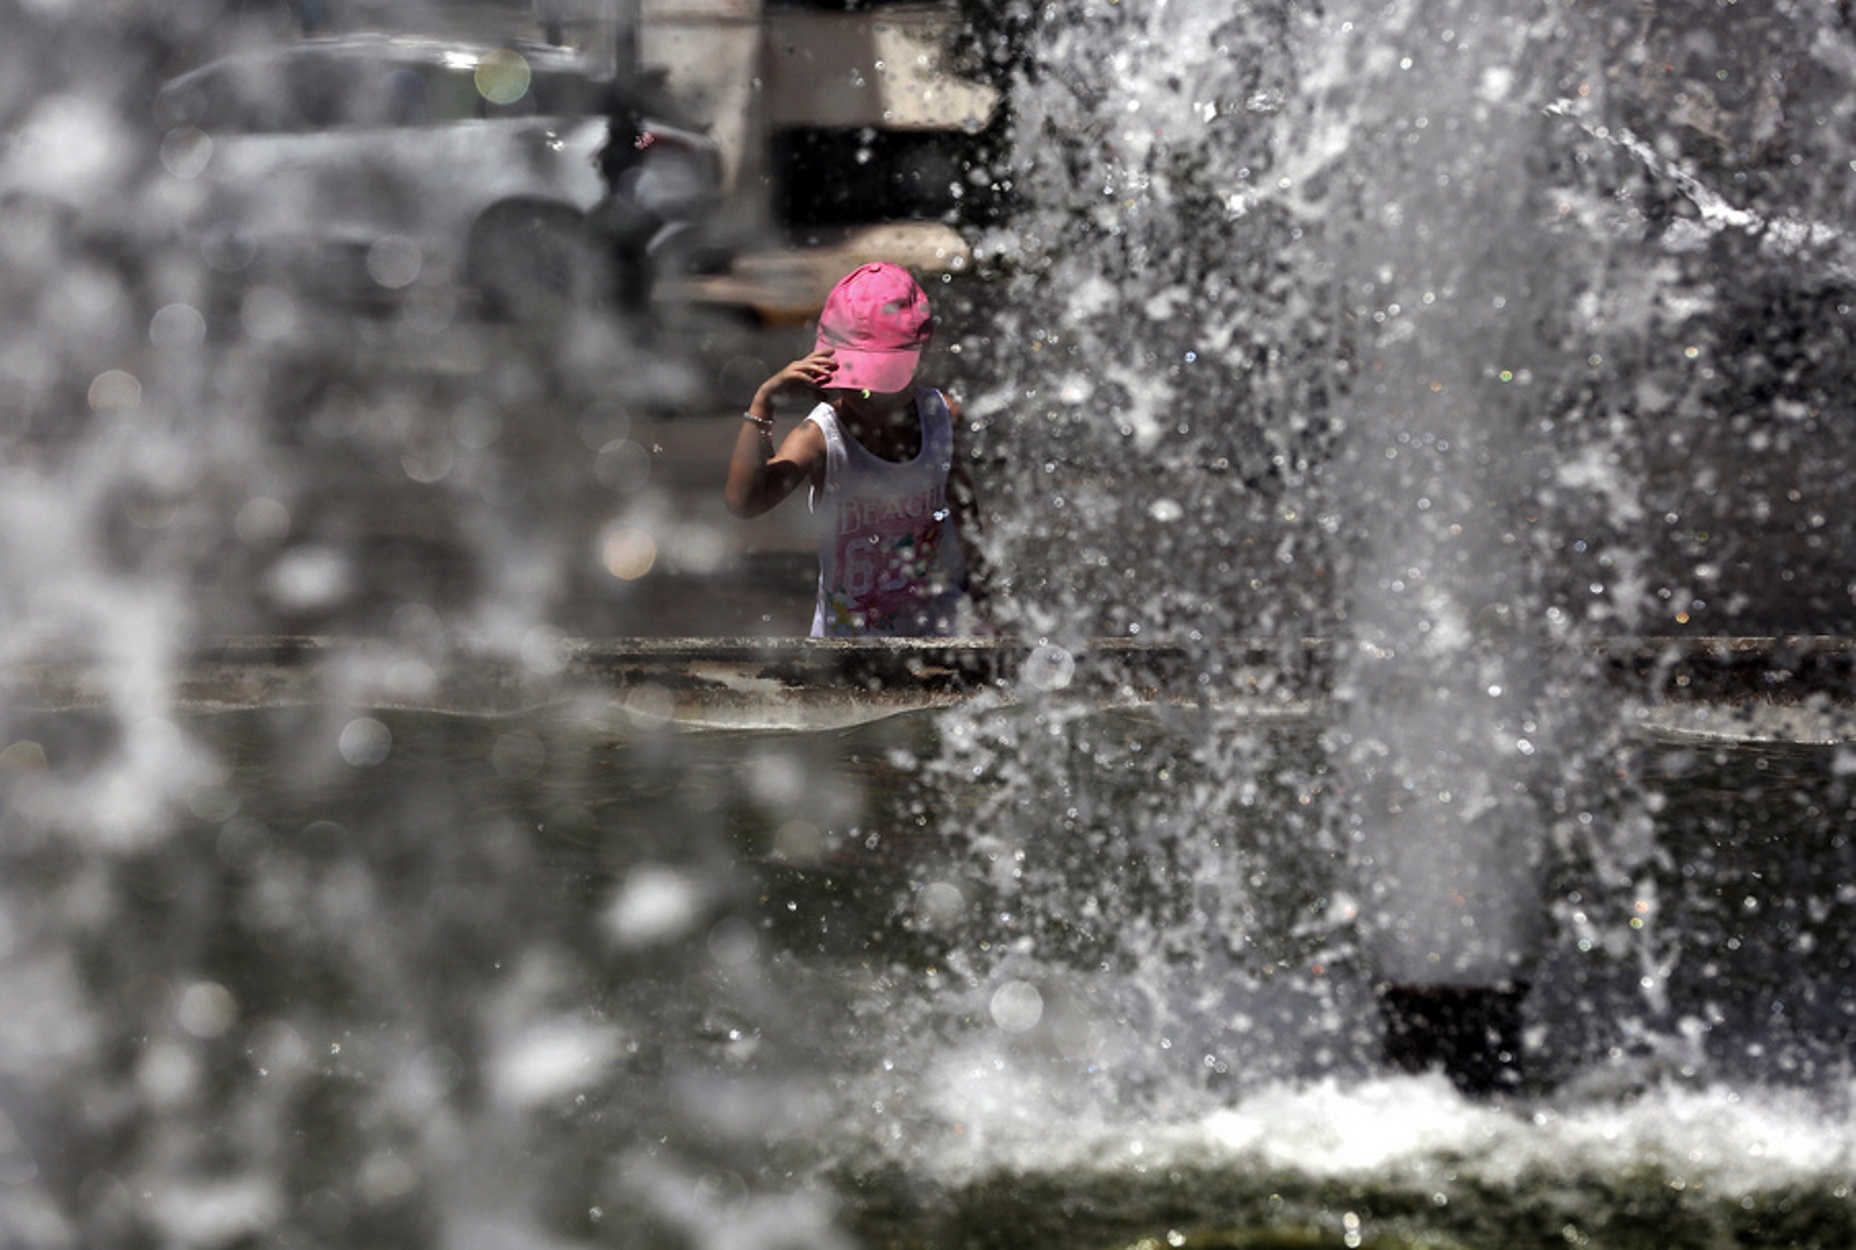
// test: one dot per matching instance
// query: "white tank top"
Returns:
(889, 560)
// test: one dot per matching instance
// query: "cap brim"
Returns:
(883, 372)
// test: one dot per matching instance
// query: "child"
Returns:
(879, 455)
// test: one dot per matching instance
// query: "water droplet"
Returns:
(365, 742)
(1049, 668)
(1017, 1006)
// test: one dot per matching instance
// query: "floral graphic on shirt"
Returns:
(845, 618)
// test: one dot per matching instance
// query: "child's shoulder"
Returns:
(946, 397)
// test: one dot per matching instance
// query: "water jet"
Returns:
(1414, 489)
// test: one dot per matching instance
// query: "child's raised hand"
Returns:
(811, 372)
(761, 475)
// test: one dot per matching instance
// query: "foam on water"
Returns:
(1402, 1131)
(1442, 328)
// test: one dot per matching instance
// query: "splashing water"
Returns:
(1462, 335)
(1471, 337)
(1384, 321)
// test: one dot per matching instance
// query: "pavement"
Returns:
(714, 575)
(647, 546)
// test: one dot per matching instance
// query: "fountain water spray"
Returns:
(1463, 339)
(337, 971)
(1382, 320)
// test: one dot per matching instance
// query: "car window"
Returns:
(559, 93)
(320, 93)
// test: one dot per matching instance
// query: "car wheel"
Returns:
(534, 259)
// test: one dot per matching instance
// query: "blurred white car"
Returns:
(382, 166)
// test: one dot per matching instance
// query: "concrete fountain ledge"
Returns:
(1787, 688)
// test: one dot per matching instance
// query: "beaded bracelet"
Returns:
(765, 423)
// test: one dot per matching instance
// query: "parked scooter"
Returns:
(655, 220)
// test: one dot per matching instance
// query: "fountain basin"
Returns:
(1730, 688)
(642, 871)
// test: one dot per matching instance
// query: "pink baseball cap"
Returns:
(876, 321)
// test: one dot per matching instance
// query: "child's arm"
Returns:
(759, 476)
